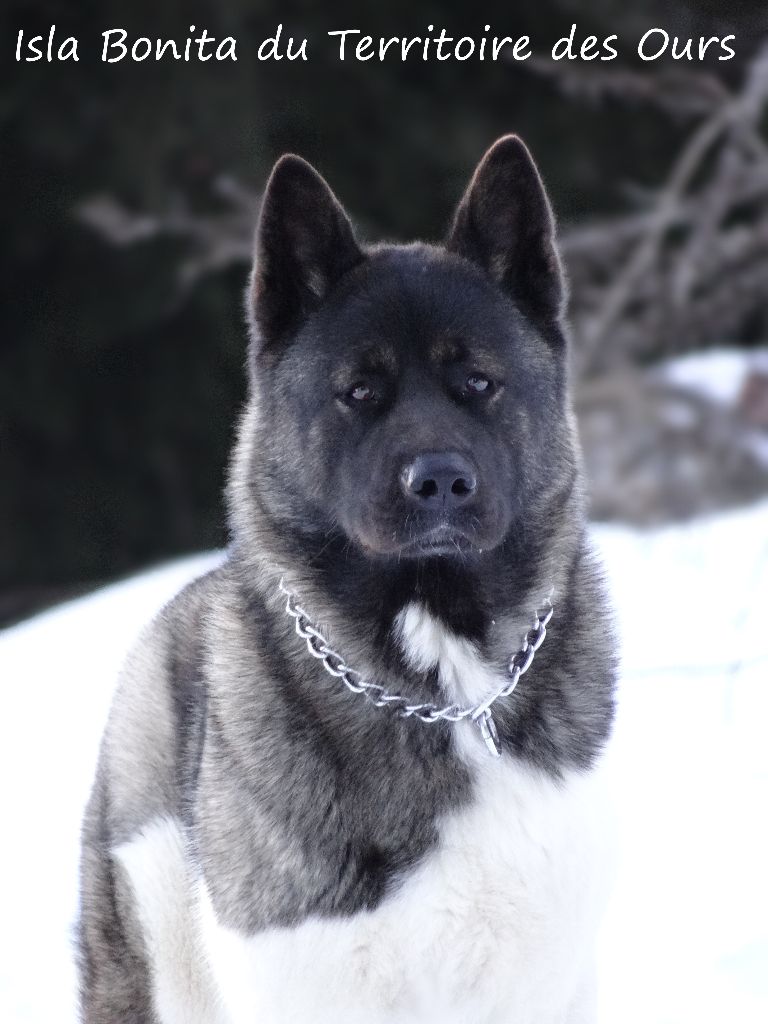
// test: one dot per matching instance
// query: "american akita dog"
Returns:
(329, 790)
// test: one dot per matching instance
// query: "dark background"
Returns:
(128, 194)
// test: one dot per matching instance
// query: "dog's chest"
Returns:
(495, 924)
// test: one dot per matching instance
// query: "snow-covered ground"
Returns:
(686, 938)
(718, 373)
(687, 935)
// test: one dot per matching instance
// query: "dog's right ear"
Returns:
(304, 243)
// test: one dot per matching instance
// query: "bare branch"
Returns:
(216, 240)
(675, 92)
(672, 255)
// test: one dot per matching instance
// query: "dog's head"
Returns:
(411, 398)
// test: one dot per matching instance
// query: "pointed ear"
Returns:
(505, 223)
(304, 243)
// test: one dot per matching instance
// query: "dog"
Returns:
(356, 773)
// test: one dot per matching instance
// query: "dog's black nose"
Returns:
(439, 480)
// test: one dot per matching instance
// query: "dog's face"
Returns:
(410, 395)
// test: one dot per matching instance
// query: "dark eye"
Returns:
(362, 393)
(476, 384)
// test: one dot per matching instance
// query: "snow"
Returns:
(686, 938)
(718, 374)
(56, 675)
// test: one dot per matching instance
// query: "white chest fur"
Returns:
(495, 926)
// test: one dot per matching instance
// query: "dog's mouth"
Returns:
(446, 536)
(441, 540)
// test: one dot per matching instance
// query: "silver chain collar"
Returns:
(334, 664)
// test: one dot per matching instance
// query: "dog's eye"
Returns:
(362, 393)
(476, 384)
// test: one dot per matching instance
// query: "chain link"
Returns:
(334, 664)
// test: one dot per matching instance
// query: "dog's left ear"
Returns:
(504, 222)
(304, 243)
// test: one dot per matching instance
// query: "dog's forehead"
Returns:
(419, 304)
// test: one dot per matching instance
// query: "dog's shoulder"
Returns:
(158, 710)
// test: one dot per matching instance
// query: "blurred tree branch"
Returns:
(679, 93)
(215, 239)
(687, 271)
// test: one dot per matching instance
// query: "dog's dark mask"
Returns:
(407, 393)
